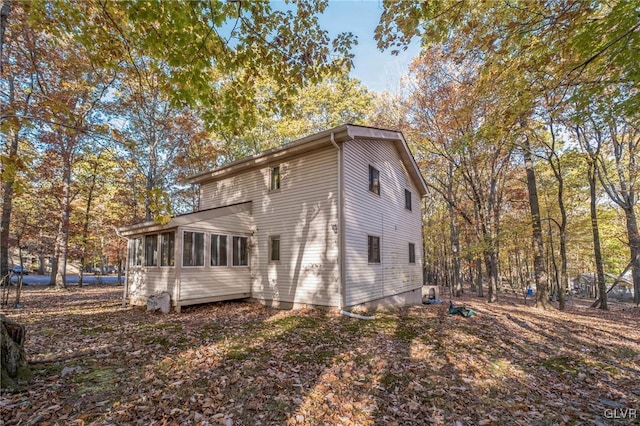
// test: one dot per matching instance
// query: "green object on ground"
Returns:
(460, 310)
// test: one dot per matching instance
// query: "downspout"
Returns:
(126, 276)
(340, 224)
(341, 235)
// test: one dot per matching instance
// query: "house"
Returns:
(333, 220)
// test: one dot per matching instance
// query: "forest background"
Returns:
(523, 117)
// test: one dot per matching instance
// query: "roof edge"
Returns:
(340, 134)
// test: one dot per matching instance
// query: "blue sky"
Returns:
(379, 71)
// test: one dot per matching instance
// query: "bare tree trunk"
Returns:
(87, 217)
(456, 282)
(479, 277)
(542, 288)
(634, 247)
(7, 206)
(8, 176)
(595, 230)
(474, 285)
(490, 263)
(4, 17)
(551, 255)
(62, 238)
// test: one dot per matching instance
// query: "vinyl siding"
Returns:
(303, 213)
(383, 216)
(146, 281)
(214, 282)
(196, 283)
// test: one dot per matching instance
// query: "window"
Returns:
(275, 178)
(274, 249)
(240, 253)
(151, 250)
(373, 247)
(374, 180)
(218, 250)
(136, 252)
(412, 253)
(167, 248)
(407, 199)
(193, 248)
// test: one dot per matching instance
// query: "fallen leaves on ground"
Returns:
(236, 363)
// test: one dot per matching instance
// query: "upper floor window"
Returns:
(412, 253)
(274, 249)
(240, 251)
(407, 199)
(193, 248)
(373, 249)
(274, 178)
(167, 248)
(218, 250)
(151, 250)
(374, 180)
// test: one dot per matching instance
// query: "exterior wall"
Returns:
(188, 285)
(144, 282)
(209, 283)
(383, 216)
(303, 213)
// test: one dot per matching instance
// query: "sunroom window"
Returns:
(193, 248)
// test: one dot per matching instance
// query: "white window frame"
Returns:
(204, 251)
(171, 252)
(155, 254)
(369, 247)
(218, 251)
(273, 238)
(408, 206)
(412, 245)
(233, 251)
(275, 185)
(137, 252)
(372, 186)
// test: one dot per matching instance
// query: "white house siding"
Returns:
(303, 213)
(214, 282)
(144, 282)
(381, 215)
(199, 284)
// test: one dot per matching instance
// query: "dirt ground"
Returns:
(236, 363)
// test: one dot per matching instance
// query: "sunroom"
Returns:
(197, 258)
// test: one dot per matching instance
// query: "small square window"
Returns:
(275, 178)
(374, 180)
(274, 249)
(373, 248)
(412, 253)
(407, 199)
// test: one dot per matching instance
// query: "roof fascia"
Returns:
(306, 144)
(183, 220)
(309, 143)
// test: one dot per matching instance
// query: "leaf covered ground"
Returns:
(236, 363)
